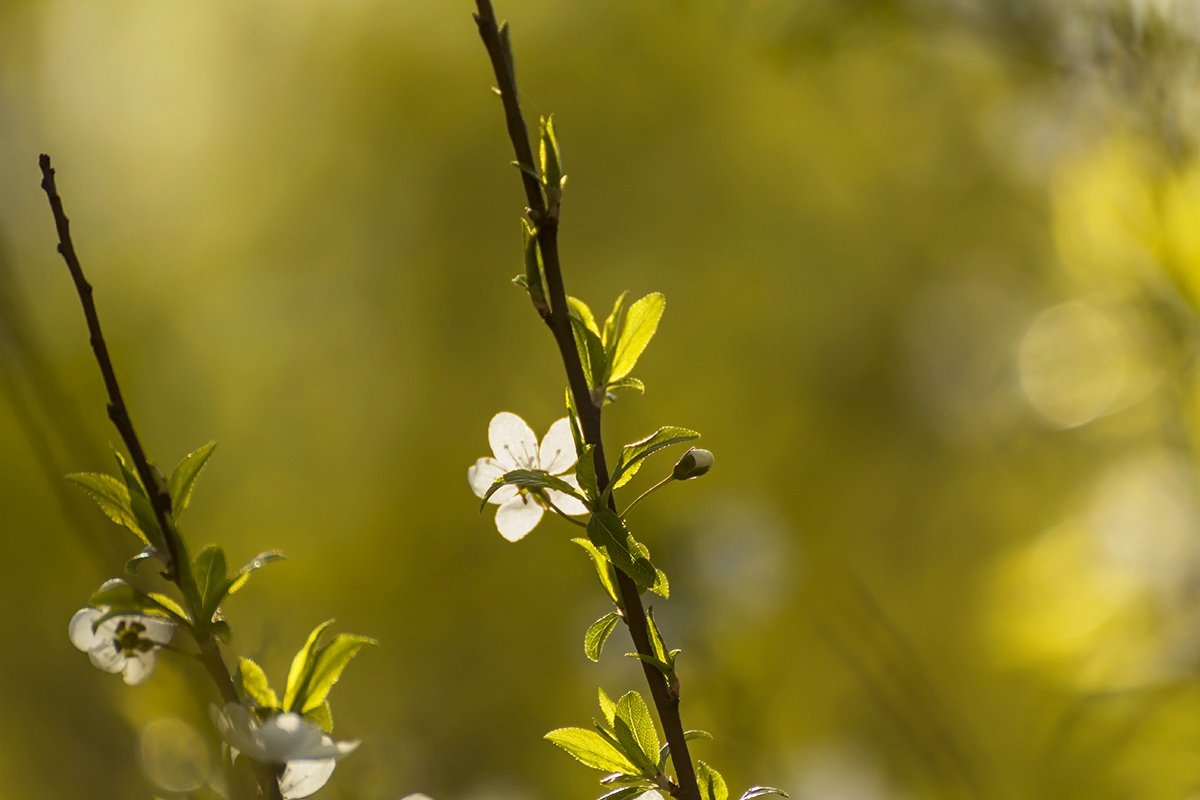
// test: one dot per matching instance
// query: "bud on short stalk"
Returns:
(695, 462)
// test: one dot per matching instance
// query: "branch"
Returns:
(666, 701)
(178, 567)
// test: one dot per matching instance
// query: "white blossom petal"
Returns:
(157, 630)
(107, 657)
(138, 666)
(236, 726)
(518, 517)
(481, 477)
(303, 778)
(283, 738)
(558, 448)
(80, 629)
(288, 736)
(567, 504)
(513, 442)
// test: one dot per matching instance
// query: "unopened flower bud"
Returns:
(695, 462)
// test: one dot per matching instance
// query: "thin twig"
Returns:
(178, 569)
(666, 701)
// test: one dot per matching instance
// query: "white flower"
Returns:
(127, 643)
(308, 755)
(516, 447)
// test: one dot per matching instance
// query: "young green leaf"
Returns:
(144, 554)
(591, 355)
(712, 785)
(627, 383)
(551, 162)
(253, 682)
(608, 707)
(627, 792)
(613, 324)
(210, 571)
(256, 563)
(598, 633)
(531, 479)
(168, 604)
(592, 750)
(762, 791)
(661, 587)
(301, 668)
(121, 598)
(113, 498)
(603, 568)
(641, 322)
(581, 311)
(534, 282)
(183, 478)
(321, 716)
(634, 728)
(664, 752)
(585, 473)
(656, 639)
(330, 661)
(607, 531)
(634, 453)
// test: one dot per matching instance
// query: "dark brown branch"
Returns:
(178, 569)
(666, 701)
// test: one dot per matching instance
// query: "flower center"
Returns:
(129, 641)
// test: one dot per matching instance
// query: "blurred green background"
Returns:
(932, 272)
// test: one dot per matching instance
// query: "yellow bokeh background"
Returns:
(933, 283)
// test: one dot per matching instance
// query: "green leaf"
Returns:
(168, 604)
(634, 453)
(608, 707)
(656, 639)
(210, 571)
(641, 322)
(183, 478)
(613, 324)
(598, 633)
(661, 587)
(634, 728)
(688, 736)
(712, 785)
(551, 161)
(581, 311)
(627, 383)
(330, 661)
(626, 792)
(592, 750)
(534, 282)
(301, 668)
(591, 355)
(254, 684)
(256, 563)
(576, 431)
(603, 568)
(762, 791)
(585, 473)
(532, 479)
(607, 531)
(144, 554)
(113, 498)
(321, 716)
(121, 598)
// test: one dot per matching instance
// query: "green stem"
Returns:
(648, 492)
